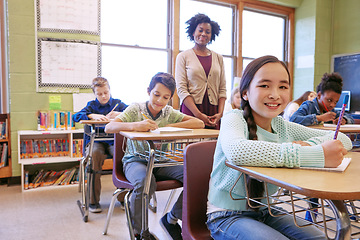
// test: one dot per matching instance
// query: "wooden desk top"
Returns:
(327, 185)
(196, 133)
(93, 122)
(343, 128)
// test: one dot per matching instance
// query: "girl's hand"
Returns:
(98, 117)
(326, 117)
(203, 117)
(301, 143)
(145, 125)
(343, 121)
(334, 153)
(215, 118)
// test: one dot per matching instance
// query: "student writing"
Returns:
(104, 107)
(158, 114)
(294, 105)
(257, 136)
(321, 109)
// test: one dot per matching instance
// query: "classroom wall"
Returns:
(313, 42)
(323, 28)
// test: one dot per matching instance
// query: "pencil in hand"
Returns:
(144, 116)
(341, 116)
(109, 114)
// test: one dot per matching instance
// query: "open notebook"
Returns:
(171, 130)
(344, 164)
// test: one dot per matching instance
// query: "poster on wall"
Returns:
(67, 63)
(80, 16)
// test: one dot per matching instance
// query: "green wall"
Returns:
(322, 28)
(24, 100)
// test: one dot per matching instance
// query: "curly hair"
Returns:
(256, 188)
(330, 81)
(201, 18)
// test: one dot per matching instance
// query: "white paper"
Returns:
(171, 130)
(344, 164)
(81, 99)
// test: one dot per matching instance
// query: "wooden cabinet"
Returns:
(5, 142)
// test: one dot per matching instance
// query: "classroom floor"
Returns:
(54, 214)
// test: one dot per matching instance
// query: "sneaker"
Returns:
(150, 237)
(308, 215)
(173, 231)
(95, 208)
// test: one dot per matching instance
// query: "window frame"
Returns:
(4, 98)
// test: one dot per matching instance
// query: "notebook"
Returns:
(344, 164)
(168, 130)
(329, 125)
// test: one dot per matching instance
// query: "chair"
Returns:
(198, 161)
(122, 184)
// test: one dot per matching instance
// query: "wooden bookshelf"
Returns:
(6, 172)
(39, 162)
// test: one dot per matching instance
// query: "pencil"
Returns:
(144, 116)
(341, 116)
(113, 108)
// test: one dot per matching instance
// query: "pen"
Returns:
(341, 116)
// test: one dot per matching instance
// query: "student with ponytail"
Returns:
(258, 136)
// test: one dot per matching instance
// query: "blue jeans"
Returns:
(251, 225)
(135, 172)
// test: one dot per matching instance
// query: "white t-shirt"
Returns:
(290, 109)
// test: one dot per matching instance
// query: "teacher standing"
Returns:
(200, 74)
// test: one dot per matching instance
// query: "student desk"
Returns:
(86, 162)
(333, 186)
(353, 128)
(153, 140)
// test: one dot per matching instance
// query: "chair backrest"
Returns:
(118, 175)
(198, 161)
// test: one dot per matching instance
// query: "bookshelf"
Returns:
(30, 161)
(5, 171)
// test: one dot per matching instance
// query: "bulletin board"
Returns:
(348, 65)
(80, 16)
(67, 63)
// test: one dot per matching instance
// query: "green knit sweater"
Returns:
(270, 150)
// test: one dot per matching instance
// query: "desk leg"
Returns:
(342, 219)
(145, 206)
(86, 169)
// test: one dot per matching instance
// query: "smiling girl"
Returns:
(257, 136)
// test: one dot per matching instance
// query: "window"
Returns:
(263, 34)
(138, 42)
(135, 45)
(4, 108)
(223, 14)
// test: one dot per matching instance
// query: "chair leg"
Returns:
(111, 208)
(128, 216)
(172, 194)
(153, 203)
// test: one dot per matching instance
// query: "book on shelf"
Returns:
(4, 155)
(55, 120)
(168, 130)
(3, 130)
(37, 148)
